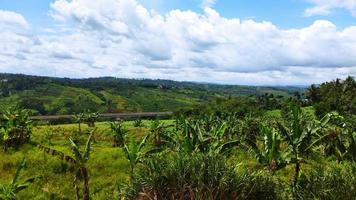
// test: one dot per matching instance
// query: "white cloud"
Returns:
(208, 3)
(324, 7)
(10, 19)
(126, 40)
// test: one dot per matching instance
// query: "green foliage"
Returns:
(16, 127)
(199, 156)
(119, 133)
(135, 152)
(299, 132)
(81, 157)
(138, 122)
(158, 130)
(49, 96)
(238, 106)
(196, 176)
(79, 160)
(341, 141)
(9, 191)
(338, 95)
(271, 155)
(90, 118)
(333, 182)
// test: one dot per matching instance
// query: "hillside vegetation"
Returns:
(50, 96)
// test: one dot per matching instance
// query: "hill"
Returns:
(48, 95)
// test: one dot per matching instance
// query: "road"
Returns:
(106, 115)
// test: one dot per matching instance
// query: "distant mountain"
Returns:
(48, 95)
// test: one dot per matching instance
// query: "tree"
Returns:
(338, 95)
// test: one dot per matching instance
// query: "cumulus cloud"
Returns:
(127, 40)
(324, 7)
(10, 19)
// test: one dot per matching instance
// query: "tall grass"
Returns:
(334, 182)
(197, 176)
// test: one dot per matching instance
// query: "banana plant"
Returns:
(91, 118)
(344, 147)
(79, 119)
(135, 153)
(271, 155)
(119, 133)
(299, 133)
(16, 128)
(158, 132)
(195, 137)
(9, 191)
(78, 160)
(341, 143)
(82, 171)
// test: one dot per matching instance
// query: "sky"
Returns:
(246, 42)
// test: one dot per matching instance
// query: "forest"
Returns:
(223, 142)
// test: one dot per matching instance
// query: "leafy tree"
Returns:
(338, 95)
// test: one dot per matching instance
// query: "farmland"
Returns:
(258, 147)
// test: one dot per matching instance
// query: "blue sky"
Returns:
(254, 42)
(283, 13)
